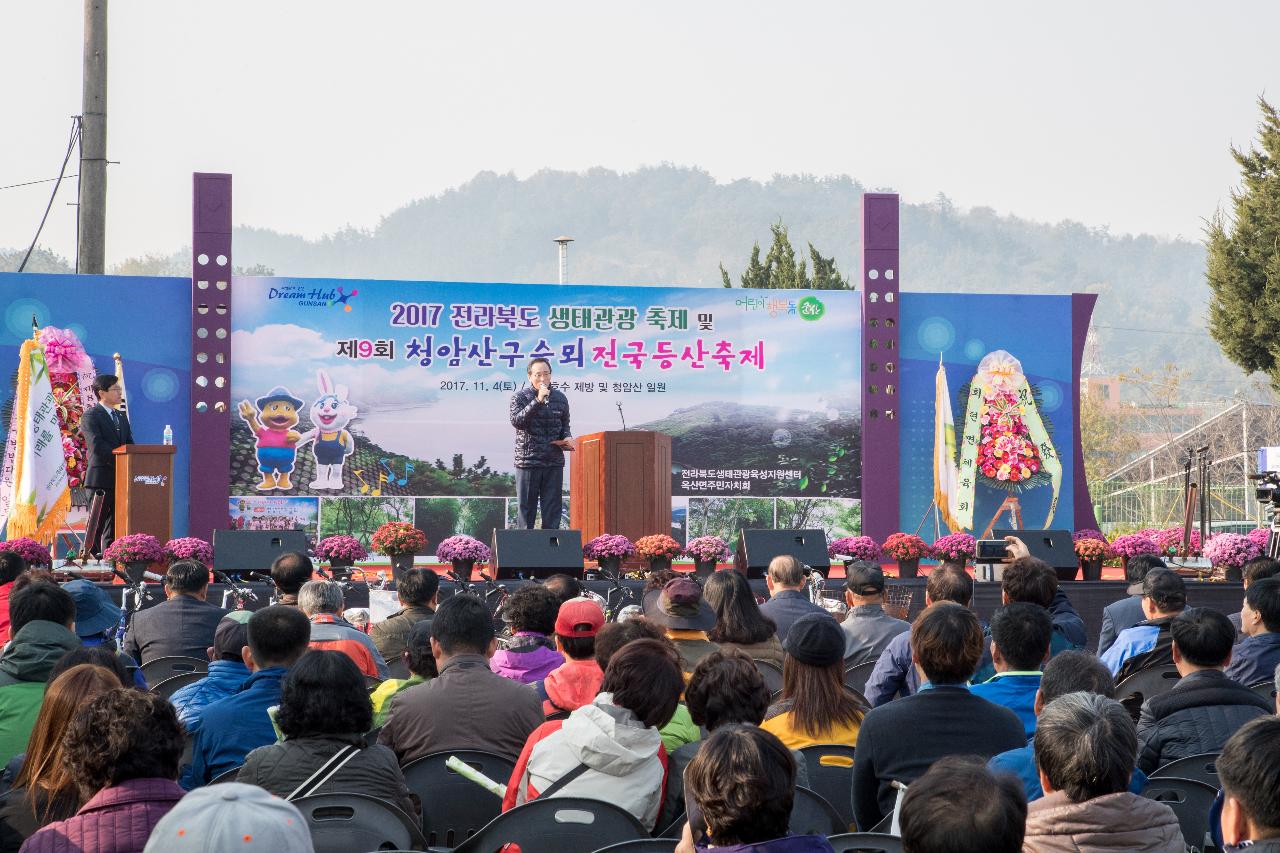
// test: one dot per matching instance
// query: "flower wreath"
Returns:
(1006, 445)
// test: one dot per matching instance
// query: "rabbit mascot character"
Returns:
(331, 443)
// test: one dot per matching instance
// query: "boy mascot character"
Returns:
(331, 413)
(273, 423)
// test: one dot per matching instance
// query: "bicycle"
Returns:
(235, 594)
(491, 588)
(817, 584)
(617, 598)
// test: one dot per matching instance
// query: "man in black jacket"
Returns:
(183, 625)
(900, 740)
(104, 428)
(540, 415)
(1204, 708)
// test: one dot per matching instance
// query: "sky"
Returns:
(331, 114)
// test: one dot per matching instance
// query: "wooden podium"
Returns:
(620, 482)
(144, 490)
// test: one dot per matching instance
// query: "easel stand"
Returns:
(937, 521)
(1014, 508)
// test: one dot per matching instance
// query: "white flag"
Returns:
(945, 475)
(41, 497)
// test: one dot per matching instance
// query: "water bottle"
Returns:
(168, 434)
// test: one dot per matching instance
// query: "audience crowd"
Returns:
(701, 718)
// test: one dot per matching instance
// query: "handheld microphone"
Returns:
(622, 416)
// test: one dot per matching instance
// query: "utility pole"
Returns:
(91, 239)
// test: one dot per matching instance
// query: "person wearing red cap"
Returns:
(577, 681)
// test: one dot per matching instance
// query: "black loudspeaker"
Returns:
(254, 550)
(537, 553)
(756, 548)
(1055, 547)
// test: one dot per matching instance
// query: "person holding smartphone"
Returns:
(540, 415)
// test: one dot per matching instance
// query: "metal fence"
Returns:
(1149, 491)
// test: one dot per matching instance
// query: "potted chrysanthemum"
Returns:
(609, 550)
(1132, 545)
(28, 549)
(135, 552)
(658, 550)
(907, 549)
(1091, 552)
(1229, 552)
(189, 548)
(399, 540)
(954, 549)
(707, 551)
(463, 552)
(341, 552)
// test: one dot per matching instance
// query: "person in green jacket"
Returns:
(42, 618)
(422, 667)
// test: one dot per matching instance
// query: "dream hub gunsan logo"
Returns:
(308, 296)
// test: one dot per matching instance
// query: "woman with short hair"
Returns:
(324, 714)
(739, 790)
(609, 749)
(531, 655)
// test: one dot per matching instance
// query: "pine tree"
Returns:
(1243, 263)
(784, 273)
(755, 276)
(781, 271)
(825, 274)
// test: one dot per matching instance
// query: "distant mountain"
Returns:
(676, 225)
(717, 435)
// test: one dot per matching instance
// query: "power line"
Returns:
(71, 146)
(1153, 331)
(41, 181)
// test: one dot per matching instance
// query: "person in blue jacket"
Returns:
(1069, 672)
(1254, 659)
(233, 727)
(227, 671)
(1020, 635)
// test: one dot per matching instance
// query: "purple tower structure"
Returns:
(879, 364)
(210, 471)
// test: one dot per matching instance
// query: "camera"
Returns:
(1267, 489)
(990, 550)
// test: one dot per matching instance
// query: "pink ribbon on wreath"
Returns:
(63, 352)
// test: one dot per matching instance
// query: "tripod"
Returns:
(1196, 505)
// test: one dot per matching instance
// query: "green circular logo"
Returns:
(811, 308)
